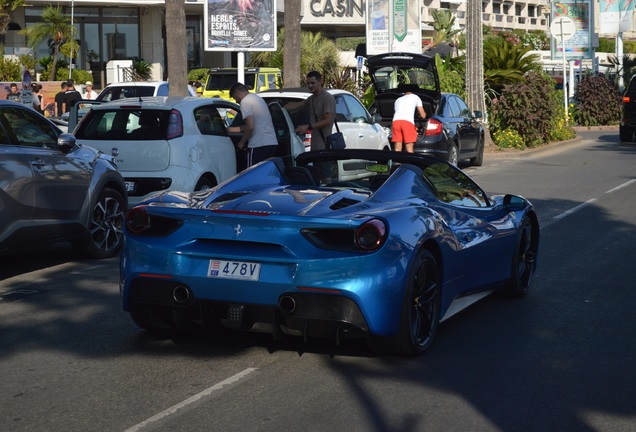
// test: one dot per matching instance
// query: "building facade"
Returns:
(122, 29)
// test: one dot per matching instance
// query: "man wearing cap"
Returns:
(89, 93)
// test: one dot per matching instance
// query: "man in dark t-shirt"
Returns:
(71, 96)
(59, 100)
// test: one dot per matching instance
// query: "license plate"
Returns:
(130, 186)
(234, 270)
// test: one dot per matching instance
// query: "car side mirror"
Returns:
(515, 202)
(66, 142)
(377, 118)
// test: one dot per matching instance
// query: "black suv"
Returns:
(628, 119)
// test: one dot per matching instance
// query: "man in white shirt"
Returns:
(403, 126)
(259, 136)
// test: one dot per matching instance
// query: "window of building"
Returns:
(103, 34)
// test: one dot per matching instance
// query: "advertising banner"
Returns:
(615, 16)
(393, 26)
(580, 46)
(240, 25)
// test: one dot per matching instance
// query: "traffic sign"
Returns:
(563, 28)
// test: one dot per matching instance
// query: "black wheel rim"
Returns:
(425, 305)
(527, 256)
(107, 224)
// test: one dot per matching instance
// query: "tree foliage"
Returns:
(316, 53)
(55, 27)
(444, 26)
(507, 63)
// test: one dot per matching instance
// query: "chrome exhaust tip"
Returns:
(181, 294)
(287, 304)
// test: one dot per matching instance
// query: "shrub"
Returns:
(598, 102)
(528, 107)
(198, 75)
(508, 138)
(10, 70)
(453, 82)
(78, 75)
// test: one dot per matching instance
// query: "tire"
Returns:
(453, 154)
(420, 310)
(204, 183)
(479, 159)
(626, 135)
(106, 224)
(524, 260)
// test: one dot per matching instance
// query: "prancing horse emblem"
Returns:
(237, 230)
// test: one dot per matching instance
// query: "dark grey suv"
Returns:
(54, 190)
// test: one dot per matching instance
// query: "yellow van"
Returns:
(219, 80)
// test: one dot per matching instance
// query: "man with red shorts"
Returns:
(403, 125)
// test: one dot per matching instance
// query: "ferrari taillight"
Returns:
(434, 127)
(626, 99)
(137, 220)
(371, 235)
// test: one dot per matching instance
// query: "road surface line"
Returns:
(574, 209)
(621, 186)
(195, 398)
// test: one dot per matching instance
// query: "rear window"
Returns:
(122, 92)
(224, 81)
(124, 124)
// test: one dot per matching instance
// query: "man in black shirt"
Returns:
(15, 94)
(59, 100)
(71, 96)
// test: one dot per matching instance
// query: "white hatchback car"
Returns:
(360, 129)
(173, 143)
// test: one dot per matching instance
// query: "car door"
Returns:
(60, 181)
(290, 144)
(467, 128)
(16, 191)
(370, 135)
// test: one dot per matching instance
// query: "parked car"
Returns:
(219, 80)
(627, 126)
(52, 189)
(385, 257)
(360, 129)
(173, 143)
(451, 131)
(121, 90)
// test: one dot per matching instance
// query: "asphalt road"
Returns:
(561, 359)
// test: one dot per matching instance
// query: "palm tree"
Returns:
(55, 27)
(316, 53)
(444, 26)
(507, 63)
(6, 6)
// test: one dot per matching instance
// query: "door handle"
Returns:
(39, 163)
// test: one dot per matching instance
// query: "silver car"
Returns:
(52, 189)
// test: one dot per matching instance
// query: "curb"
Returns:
(493, 152)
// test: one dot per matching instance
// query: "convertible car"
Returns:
(390, 246)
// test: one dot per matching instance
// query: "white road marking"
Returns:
(590, 201)
(195, 398)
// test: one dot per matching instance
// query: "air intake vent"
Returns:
(343, 203)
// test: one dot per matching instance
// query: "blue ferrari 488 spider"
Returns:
(346, 243)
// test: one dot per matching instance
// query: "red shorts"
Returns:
(403, 131)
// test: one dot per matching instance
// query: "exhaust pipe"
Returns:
(287, 304)
(181, 294)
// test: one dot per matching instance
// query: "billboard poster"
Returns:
(400, 18)
(615, 16)
(580, 46)
(240, 25)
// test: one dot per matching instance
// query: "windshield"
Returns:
(223, 81)
(391, 77)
